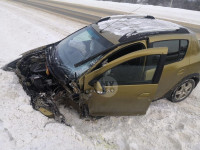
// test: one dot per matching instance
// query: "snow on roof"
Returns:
(121, 25)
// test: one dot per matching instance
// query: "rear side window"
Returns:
(176, 49)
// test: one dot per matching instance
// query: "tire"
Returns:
(182, 91)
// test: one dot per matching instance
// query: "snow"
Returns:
(134, 25)
(176, 14)
(165, 126)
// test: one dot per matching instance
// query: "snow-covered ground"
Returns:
(177, 14)
(165, 126)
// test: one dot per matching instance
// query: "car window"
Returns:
(81, 45)
(126, 50)
(120, 53)
(173, 46)
(84, 36)
(136, 71)
(176, 49)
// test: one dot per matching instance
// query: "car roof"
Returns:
(127, 28)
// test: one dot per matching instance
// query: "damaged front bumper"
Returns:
(46, 91)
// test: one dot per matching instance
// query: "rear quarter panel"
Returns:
(194, 66)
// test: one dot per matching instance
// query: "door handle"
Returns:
(180, 72)
(144, 95)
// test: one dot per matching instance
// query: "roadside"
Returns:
(91, 11)
(176, 14)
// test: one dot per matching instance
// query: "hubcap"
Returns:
(183, 91)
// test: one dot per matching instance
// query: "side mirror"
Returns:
(99, 88)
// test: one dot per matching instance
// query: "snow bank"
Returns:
(177, 14)
(165, 126)
(21, 127)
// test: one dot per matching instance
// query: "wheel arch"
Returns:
(196, 79)
(194, 76)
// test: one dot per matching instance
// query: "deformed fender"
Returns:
(11, 66)
(35, 50)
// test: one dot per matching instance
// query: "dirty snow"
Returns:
(176, 14)
(165, 126)
(135, 25)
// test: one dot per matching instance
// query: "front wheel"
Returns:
(182, 91)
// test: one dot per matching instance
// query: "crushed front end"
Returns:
(46, 84)
(54, 74)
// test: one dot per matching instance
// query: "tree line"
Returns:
(185, 4)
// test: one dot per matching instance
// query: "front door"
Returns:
(130, 83)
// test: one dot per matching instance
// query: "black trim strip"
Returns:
(126, 38)
(159, 69)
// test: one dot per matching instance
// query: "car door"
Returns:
(176, 63)
(130, 83)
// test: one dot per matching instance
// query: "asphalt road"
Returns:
(80, 13)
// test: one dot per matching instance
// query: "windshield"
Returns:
(80, 46)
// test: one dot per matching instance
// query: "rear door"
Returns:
(177, 61)
(130, 83)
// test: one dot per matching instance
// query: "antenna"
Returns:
(119, 19)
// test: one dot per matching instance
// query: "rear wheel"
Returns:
(182, 91)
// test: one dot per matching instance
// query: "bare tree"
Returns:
(186, 4)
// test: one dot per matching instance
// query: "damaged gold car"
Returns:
(116, 66)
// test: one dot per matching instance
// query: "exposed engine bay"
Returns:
(46, 92)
